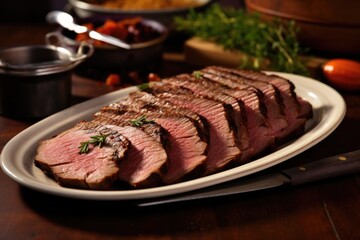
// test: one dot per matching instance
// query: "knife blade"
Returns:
(329, 167)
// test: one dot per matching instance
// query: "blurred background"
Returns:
(326, 25)
(35, 11)
(328, 29)
(28, 11)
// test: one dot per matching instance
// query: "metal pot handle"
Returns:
(80, 51)
(84, 51)
(56, 39)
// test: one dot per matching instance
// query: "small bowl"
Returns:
(35, 81)
(143, 55)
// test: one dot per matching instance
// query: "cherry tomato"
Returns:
(343, 74)
(113, 80)
(152, 77)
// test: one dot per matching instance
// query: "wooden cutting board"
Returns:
(202, 53)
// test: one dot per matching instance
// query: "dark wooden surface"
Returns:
(323, 210)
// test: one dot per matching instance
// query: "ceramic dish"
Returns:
(17, 157)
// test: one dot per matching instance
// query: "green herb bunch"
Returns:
(272, 44)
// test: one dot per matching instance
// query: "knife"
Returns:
(329, 167)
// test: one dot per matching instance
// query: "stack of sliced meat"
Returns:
(181, 128)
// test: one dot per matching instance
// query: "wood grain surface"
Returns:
(322, 210)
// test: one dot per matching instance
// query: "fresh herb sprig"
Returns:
(143, 86)
(138, 122)
(197, 74)
(270, 45)
(98, 140)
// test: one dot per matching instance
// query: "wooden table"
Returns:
(322, 210)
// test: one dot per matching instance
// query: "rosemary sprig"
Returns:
(97, 140)
(270, 45)
(197, 74)
(143, 86)
(138, 122)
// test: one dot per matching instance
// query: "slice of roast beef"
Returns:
(271, 98)
(204, 89)
(143, 100)
(59, 157)
(145, 161)
(260, 134)
(151, 128)
(297, 111)
(223, 151)
(186, 151)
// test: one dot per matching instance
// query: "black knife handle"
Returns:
(334, 166)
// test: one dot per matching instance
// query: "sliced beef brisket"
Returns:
(186, 151)
(223, 150)
(59, 157)
(181, 128)
(271, 96)
(260, 134)
(145, 161)
(296, 110)
(207, 90)
(149, 102)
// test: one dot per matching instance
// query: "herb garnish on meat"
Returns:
(138, 122)
(97, 140)
(143, 86)
(197, 74)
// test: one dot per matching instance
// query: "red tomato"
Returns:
(152, 77)
(343, 74)
(113, 80)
